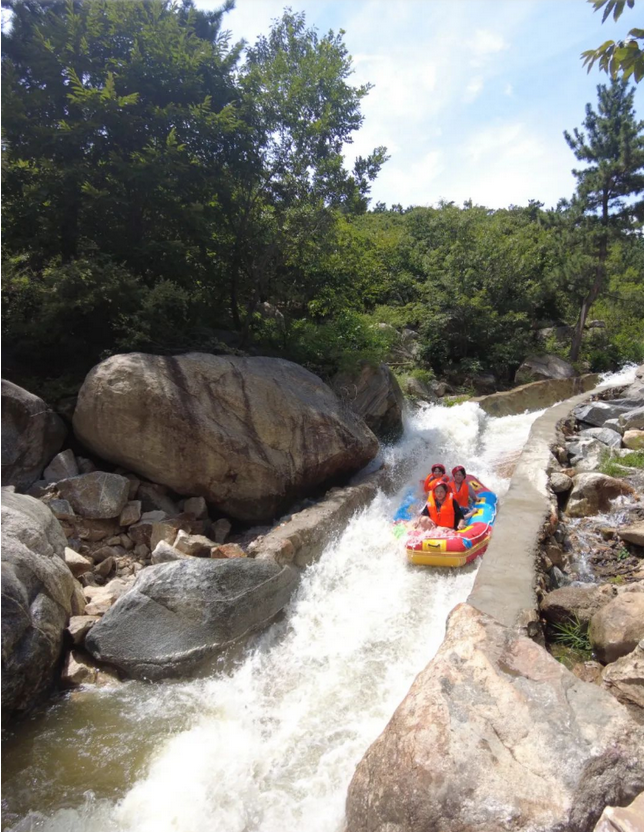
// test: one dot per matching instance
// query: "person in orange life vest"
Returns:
(442, 509)
(462, 490)
(437, 473)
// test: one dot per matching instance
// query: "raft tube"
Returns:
(458, 548)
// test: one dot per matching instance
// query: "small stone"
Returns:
(613, 424)
(136, 568)
(166, 530)
(196, 506)
(154, 498)
(589, 672)
(141, 551)
(227, 550)
(103, 553)
(79, 626)
(131, 513)
(164, 553)
(193, 544)
(78, 565)
(633, 533)
(560, 483)
(62, 466)
(77, 671)
(88, 580)
(126, 542)
(102, 598)
(105, 567)
(62, 510)
(221, 530)
(114, 541)
(85, 466)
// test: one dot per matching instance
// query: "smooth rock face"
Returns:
(180, 614)
(625, 677)
(618, 627)
(592, 493)
(31, 434)
(375, 395)
(495, 735)
(96, 496)
(560, 483)
(572, 602)
(541, 367)
(37, 591)
(633, 419)
(247, 434)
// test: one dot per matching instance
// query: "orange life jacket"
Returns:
(432, 481)
(443, 516)
(462, 494)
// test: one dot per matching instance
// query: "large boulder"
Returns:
(31, 434)
(249, 435)
(586, 454)
(592, 493)
(616, 628)
(37, 593)
(633, 419)
(633, 533)
(180, 614)
(374, 394)
(496, 735)
(597, 413)
(542, 367)
(605, 435)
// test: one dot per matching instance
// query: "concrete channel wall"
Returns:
(505, 585)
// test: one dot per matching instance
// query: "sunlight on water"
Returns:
(271, 746)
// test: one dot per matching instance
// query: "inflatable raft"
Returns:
(445, 547)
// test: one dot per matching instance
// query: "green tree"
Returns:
(624, 56)
(613, 149)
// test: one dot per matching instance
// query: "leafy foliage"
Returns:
(624, 56)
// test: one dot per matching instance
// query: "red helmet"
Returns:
(459, 468)
(438, 465)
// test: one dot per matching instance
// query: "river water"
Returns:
(271, 743)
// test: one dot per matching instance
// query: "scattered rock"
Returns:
(597, 413)
(61, 509)
(180, 614)
(221, 530)
(77, 563)
(623, 818)
(193, 544)
(154, 497)
(164, 553)
(96, 496)
(62, 466)
(141, 551)
(31, 434)
(77, 671)
(131, 513)
(105, 567)
(588, 672)
(613, 424)
(85, 466)
(101, 598)
(592, 493)
(196, 506)
(227, 550)
(604, 435)
(633, 419)
(141, 532)
(104, 553)
(618, 627)
(79, 626)
(586, 454)
(560, 483)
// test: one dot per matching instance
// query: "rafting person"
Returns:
(442, 509)
(435, 476)
(462, 490)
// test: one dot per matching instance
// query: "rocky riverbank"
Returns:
(592, 555)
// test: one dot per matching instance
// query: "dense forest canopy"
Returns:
(165, 189)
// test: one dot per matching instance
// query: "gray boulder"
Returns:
(37, 593)
(541, 367)
(31, 434)
(62, 466)
(496, 735)
(586, 453)
(616, 628)
(633, 419)
(250, 435)
(596, 413)
(180, 614)
(96, 496)
(373, 393)
(604, 435)
(581, 602)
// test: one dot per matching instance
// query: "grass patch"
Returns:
(573, 635)
(618, 466)
(616, 579)
(452, 401)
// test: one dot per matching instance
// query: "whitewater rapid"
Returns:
(271, 744)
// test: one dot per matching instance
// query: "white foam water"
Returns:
(271, 745)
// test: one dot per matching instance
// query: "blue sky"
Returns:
(471, 97)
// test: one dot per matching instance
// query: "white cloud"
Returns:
(473, 89)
